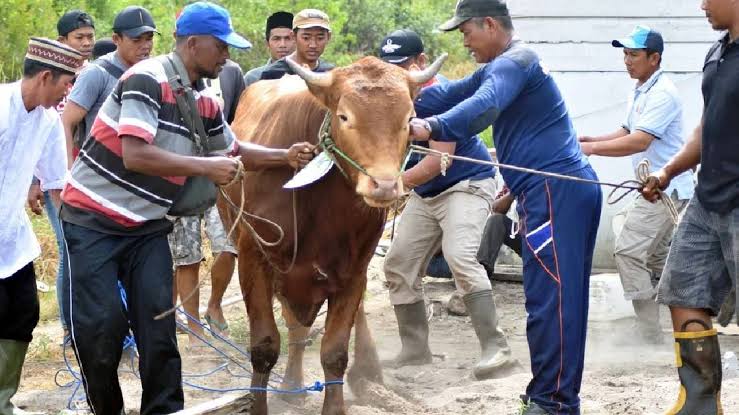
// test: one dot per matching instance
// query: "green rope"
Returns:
(327, 144)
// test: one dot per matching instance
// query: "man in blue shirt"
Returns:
(559, 218)
(447, 210)
(653, 131)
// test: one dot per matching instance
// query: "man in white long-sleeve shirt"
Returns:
(31, 141)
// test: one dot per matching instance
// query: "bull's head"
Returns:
(371, 103)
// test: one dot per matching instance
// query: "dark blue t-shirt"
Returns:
(433, 101)
(532, 126)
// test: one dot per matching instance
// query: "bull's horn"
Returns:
(421, 77)
(321, 79)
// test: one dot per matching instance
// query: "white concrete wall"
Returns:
(573, 38)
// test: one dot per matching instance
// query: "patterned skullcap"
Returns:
(54, 54)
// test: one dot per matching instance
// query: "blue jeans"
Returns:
(62, 274)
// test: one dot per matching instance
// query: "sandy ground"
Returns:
(621, 377)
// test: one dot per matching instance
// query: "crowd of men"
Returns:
(101, 136)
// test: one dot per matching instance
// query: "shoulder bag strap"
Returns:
(180, 84)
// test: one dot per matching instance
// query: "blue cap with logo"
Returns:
(203, 18)
(642, 37)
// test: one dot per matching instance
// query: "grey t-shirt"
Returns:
(92, 87)
(255, 74)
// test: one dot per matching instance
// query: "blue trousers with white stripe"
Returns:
(559, 220)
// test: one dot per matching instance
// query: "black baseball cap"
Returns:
(467, 9)
(278, 19)
(134, 21)
(73, 20)
(400, 45)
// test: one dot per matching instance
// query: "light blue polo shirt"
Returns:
(655, 108)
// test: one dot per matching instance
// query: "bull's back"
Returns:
(278, 113)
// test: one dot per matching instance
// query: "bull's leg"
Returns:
(297, 335)
(257, 290)
(342, 307)
(366, 364)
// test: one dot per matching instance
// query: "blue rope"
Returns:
(130, 344)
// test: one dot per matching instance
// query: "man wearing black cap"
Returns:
(133, 35)
(280, 41)
(76, 29)
(653, 131)
(532, 130)
(446, 210)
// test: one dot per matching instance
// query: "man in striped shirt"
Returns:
(122, 185)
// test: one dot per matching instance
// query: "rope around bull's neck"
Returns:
(631, 185)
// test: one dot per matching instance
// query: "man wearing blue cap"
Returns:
(559, 219)
(131, 171)
(652, 130)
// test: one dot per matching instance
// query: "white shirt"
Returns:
(31, 144)
(655, 108)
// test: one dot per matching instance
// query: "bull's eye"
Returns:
(343, 118)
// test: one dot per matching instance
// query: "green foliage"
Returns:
(358, 25)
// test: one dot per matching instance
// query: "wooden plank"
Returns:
(609, 8)
(226, 405)
(602, 57)
(605, 29)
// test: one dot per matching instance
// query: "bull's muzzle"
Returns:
(379, 191)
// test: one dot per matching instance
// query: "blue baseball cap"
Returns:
(642, 37)
(203, 18)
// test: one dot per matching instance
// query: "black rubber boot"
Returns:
(495, 353)
(413, 327)
(699, 367)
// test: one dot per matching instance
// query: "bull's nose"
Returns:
(385, 188)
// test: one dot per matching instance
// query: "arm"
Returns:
(144, 158)
(627, 145)
(71, 117)
(257, 157)
(616, 134)
(687, 158)
(429, 167)
(502, 81)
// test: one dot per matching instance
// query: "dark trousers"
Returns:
(19, 307)
(497, 233)
(143, 264)
(559, 224)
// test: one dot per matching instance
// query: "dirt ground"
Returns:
(621, 377)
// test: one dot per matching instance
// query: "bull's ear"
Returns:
(421, 77)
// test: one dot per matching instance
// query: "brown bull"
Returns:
(338, 220)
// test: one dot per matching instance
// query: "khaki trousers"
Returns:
(642, 246)
(453, 220)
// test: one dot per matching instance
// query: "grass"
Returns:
(46, 266)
